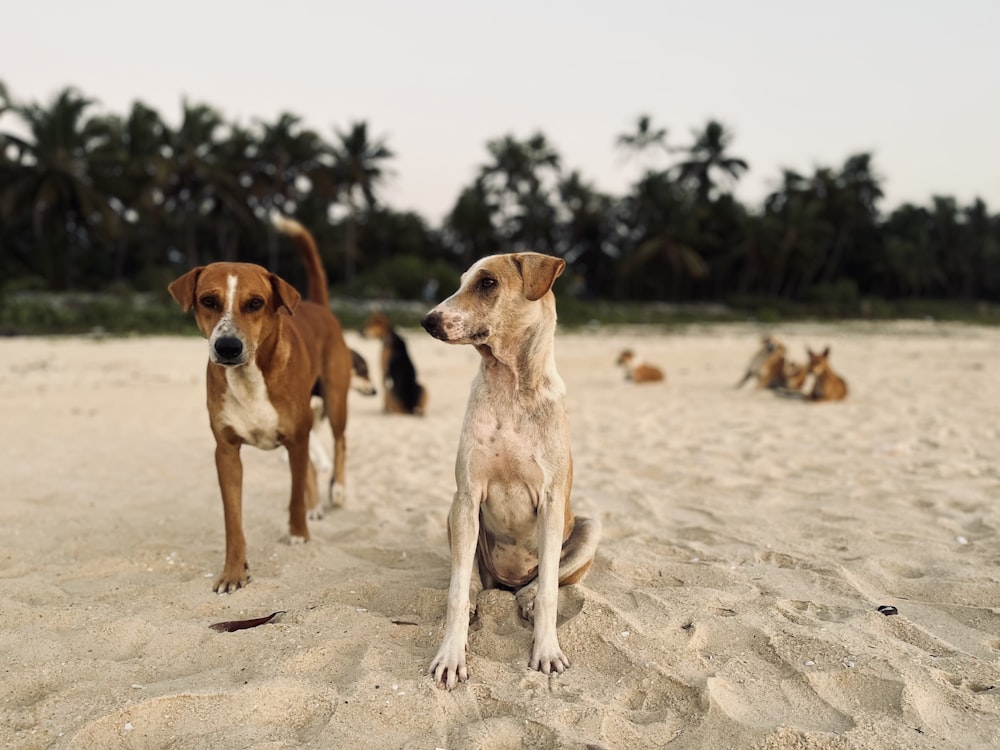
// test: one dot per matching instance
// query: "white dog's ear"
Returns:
(538, 272)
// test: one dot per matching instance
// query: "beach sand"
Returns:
(748, 542)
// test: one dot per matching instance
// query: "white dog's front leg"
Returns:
(546, 656)
(449, 667)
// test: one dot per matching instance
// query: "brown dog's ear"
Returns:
(826, 352)
(182, 289)
(284, 293)
(539, 272)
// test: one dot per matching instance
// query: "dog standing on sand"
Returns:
(267, 349)
(510, 523)
(403, 394)
(637, 370)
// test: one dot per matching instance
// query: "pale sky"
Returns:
(800, 84)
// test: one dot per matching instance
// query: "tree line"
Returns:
(95, 200)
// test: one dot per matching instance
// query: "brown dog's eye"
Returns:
(210, 302)
(255, 303)
(486, 283)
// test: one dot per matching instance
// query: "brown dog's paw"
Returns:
(338, 495)
(228, 582)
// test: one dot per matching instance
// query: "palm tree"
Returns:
(517, 178)
(984, 248)
(706, 156)
(518, 164)
(588, 235)
(660, 254)
(912, 264)
(129, 166)
(852, 212)
(470, 227)
(277, 160)
(202, 188)
(645, 139)
(358, 162)
(51, 181)
(4, 98)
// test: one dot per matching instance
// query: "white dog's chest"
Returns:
(247, 409)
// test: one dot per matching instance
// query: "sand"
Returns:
(748, 542)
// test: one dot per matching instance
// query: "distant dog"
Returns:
(767, 366)
(267, 350)
(510, 523)
(795, 375)
(636, 370)
(827, 385)
(403, 394)
(360, 379)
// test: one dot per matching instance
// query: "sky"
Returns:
(799, 84)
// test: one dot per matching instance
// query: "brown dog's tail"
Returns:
(318, 291)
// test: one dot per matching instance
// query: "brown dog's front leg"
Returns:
(229, 466)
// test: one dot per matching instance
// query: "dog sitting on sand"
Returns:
(767, 366)
(510, 523)
(637, 370)
(403, 394)
(827, 385)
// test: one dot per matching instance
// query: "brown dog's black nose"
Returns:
(431, 322)
(229, 348)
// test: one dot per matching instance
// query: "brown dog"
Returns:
(795, 375)
(267, 349)
(827, 385)
(636, 370)
(768, 365)
(403, 394)
(510, 523)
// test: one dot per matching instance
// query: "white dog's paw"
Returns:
(448, 667)
(315, 514)
(548, 658)
(338, 495)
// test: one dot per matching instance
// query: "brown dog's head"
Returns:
(625, 358)
(500, 298)
(377, 325)
(235, 306)
(818, 363)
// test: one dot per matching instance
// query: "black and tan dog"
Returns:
(403, 394)
(267, 349)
